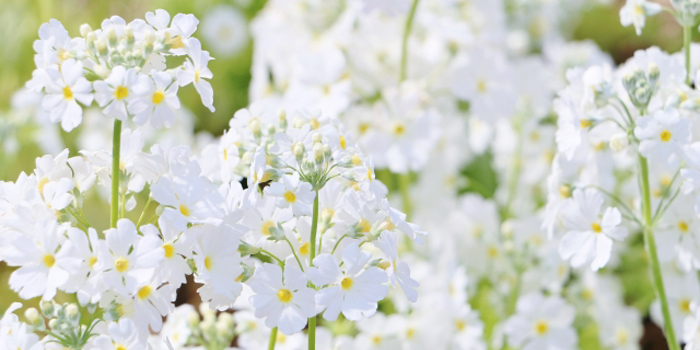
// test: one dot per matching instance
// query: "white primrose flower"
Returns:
(541, 323)
(284, 301)
(589, 237)
(294, 193)
(355, 291)
(635, 12)
(116, 92)
(663, 135)
(157, 102)
(132, 259)
(399, 272)
(218, 264)
(195, 70)
(64, 89)
(119, 335)
(43, 254)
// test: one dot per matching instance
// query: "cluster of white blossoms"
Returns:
(627, 162)
(538, 211)
(123, 67)
(311, 234)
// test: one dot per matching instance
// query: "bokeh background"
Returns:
(20, 20)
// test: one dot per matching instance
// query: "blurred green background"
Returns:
(20, 21)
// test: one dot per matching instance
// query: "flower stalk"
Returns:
(650, 243)
(116, 148)
(312, 255)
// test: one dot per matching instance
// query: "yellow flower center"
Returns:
(399, 129)
(144, 292)
(684, 305)
(410, 333)
(565, 191)
(284, 295)
(342, 142)
(665, 136)
(596, 227)
(481, 86)
(638, 10)
(541, 327)
(585, 123)
(493, 252)
(121, 264)
(207, 263)
(362, 128)
(196, 76)
(120, 347)
(67, 93)
(225, 154)
(121, 92)
(184, 210)
(158, 97)
(290, 197)
(683, 226)
(460, 325)
(304, 249)
(364, 226)
(621, 336)
(314, 124)
(49, 260)
(346, 283)
(169, 250)
(356, 160)
(266, 226)
(92, 261)
(376, 340)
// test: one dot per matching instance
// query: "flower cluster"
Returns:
(121, 66)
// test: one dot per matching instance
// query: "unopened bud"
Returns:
(619, 142)
(32, 315)
(85, 29)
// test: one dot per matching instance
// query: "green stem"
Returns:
(273, 339)
(312, 255)
(143, 212)
(404, 40)
(116, 147)
(687, 36)
(657, 278)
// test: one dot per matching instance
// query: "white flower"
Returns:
(63, 92)
(120, 335)
(156, 102)
(225, 29)
(663, 135)
(355, 291)
(541, 323)
(120, 87)
(218, 264)
(635, 12)
(195, 71)
(399, 272)
(132, 258)
(292, 192)
(589, 237)
(286, 302)
(45, 259)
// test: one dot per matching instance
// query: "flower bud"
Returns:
(316, 137)
(85, 29)
(72, 312)
(33, 316)
(619, 142)
(112, 37)
(47, 308)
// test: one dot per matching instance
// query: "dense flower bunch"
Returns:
(626, 162)
(312, 233)
(122, 66)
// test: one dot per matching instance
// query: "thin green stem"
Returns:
(312, 255)
(143, 212)
(657, 278)
(687, 37)
(404, 41)
(116, 147)
(273, 339)
(296, 257)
